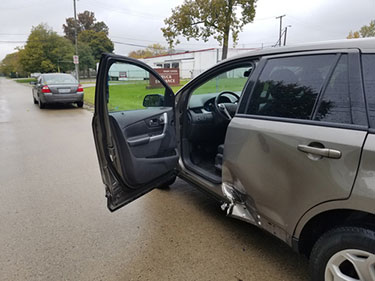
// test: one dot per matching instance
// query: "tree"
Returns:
(151, 50)
(353, 35)
(10, 65)
(45, 50)
(85, 21)
(98, 42)
(365, 31)
(201, 19)
(86, 59)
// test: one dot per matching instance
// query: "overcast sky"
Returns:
(139, 21)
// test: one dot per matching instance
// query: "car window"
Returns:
(128, 85)
(60, 79)
(335, 104)
(368, 62)
(288, 87)
(232, 80)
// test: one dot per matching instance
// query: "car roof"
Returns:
(363, 44)
(48, 74)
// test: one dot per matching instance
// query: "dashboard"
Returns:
(203, 123)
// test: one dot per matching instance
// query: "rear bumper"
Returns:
(61, 98)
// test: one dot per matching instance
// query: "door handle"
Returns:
(324, 152)
(144, 140)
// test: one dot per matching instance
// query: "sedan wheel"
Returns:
(344, 254)
(41, 104)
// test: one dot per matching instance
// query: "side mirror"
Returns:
(33, 83)
(153, 100)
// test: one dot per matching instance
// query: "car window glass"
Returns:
(128, 85)
(289, 87)
(232, 80)
(60, 79)
(335, 104)
(368, 62)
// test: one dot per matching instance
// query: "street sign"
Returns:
(170, 75)
(75, 60)
(122, 75)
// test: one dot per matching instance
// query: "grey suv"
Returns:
(283, 138)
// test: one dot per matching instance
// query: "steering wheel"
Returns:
(221, 108)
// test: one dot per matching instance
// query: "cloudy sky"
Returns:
(138, 22)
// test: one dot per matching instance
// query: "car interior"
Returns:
(211, 106)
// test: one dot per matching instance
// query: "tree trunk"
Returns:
(225, 45)
(228, 23)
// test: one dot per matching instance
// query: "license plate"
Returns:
(64, 91)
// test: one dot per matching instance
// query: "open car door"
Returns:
(133, 128)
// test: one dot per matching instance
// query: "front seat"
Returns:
(219, 158)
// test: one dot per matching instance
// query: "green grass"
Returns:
(219, 84)
(25, 80)
(130, 95)
(127, 96)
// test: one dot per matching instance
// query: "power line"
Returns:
(128, 12)
(315, 26)
(11, 42)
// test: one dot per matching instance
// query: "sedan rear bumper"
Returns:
(61, 98)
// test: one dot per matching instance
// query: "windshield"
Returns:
(60, 79)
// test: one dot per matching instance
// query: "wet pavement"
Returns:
(54, 224)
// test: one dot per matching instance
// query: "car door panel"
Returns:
(136, 148)
(143, 162)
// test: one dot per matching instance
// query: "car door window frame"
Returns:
(355, 78)
(250, 86)
(186, 91)
(371, 126)
(103, 99)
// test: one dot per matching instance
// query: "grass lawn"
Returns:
(130, 95)
(219, 84)
(126, 96)
(25, 80)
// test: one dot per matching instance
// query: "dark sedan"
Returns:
(57, 88)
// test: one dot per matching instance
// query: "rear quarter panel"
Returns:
(363, 194)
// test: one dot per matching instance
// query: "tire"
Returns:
(41, 104)
(80, 103)
(35, 101)
(168, 183)
(339, 252)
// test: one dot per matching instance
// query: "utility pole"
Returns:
(76, 39)
(281, 27)
(285, 33)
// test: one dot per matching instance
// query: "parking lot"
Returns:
(55, 224)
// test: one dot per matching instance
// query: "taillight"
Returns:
(45, 89)
(80, 89)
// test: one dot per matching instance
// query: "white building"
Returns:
(192, 63)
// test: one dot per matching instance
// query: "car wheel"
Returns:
(168, 183)
(80, 104)
(345, 253)
(41, 104)
(35, 101)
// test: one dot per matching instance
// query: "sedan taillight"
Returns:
(80, 89)
(45, 89)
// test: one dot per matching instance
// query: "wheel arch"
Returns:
(309, 230)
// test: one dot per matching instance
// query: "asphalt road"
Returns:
(54, 224)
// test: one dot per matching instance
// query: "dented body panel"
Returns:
(280, 183)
